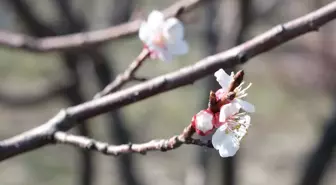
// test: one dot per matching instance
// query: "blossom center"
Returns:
(159, 40)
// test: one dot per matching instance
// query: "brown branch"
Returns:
(67, 118)
(139, 79)
(85, 39)
(126, 76)
(115, 150)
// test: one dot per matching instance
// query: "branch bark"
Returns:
(85, 39)
(162, 145)
(67, 118)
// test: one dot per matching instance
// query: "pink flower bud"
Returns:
(203, 122)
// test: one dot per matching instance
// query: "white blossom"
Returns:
(164, 38)
(227, 137)
(224, 81)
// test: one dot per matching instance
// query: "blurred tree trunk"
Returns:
(70, 61)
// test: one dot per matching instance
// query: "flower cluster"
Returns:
(231, 121)
(163, 38)
(227, 116)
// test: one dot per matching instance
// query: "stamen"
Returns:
(248, 86)
(239, 86)
(241, 96)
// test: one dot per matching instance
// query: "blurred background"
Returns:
(293, 133)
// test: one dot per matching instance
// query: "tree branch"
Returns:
(67, 118)
(126, 76)
(162, 145)
(85, 39)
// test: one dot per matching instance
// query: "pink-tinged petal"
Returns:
(144, 32)
(178, 48)
(216, 121)
(203, 122)
(173, 29)
(223, 78)
(228, 110)
(220, 93)
(155, 20)
(248, 107)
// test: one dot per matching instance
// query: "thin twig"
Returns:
(115, 150)
(85, 39)
(126, 76)
(68, 118)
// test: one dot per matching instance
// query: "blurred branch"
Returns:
(269, 11)
(162, 145)
(86, 39)
(126, 76)
(54, 90)
(69, 117)
(321, 157)
(122, 11)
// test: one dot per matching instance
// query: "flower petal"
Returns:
(228, 150)
(179, 48)
(224, 142)
(228, 110)
(220, 93)
(164, 55)
(245, 122)
(223, 78)
(155, 20)
(218, 137)
(173, 29)
(144, 32)
(248, 107)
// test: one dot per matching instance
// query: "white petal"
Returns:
(223, 78)
(224, 142)
(228, 150)
(155, 19)
(245, 122)
(144, 32)
(228, 110)
(173, 29)
(179, 48)
(218, 137)
(248, 107)
(164, 55)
